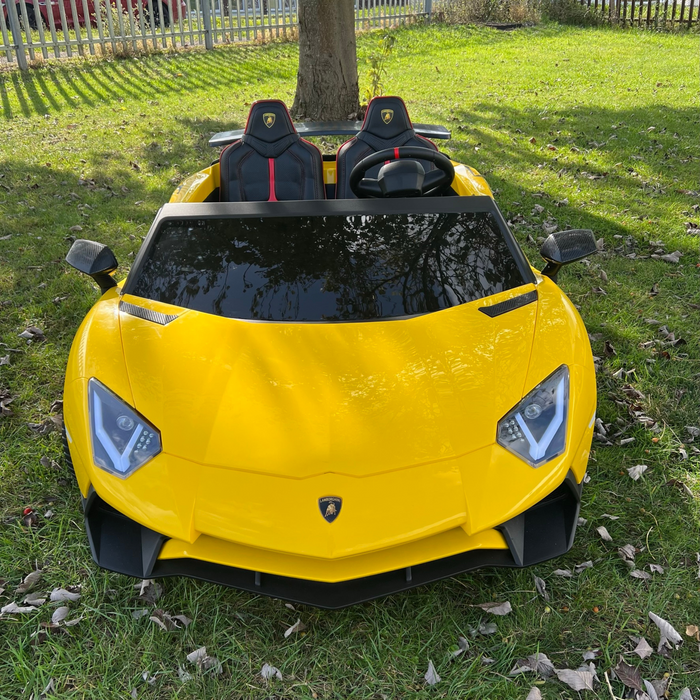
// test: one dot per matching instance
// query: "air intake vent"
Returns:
(146, 314)
(509, 305)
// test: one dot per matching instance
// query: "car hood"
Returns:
(303, 399)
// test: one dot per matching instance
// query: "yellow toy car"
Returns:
(330, 378)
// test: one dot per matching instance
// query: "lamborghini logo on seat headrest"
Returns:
(387, 115)
(269, 119)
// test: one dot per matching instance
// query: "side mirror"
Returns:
(93, 259)
(566, 247)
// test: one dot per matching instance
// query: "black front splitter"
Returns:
(543, 532)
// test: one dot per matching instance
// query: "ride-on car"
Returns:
(330, 378)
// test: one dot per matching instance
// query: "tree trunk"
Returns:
(327, 77)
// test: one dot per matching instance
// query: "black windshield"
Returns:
(327, 268)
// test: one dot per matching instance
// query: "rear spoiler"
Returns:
(430, 131)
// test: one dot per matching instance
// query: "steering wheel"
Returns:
(434, 181)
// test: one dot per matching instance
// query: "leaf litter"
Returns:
(13, 608)
(496, 608)
(535, 663)
(204, 662)
(268, 672)
(461, 647)
(643, 650)
(636, 471)
(541, 588)
(576, 680)
(168, 622)
(431, 675)
(148, 591)
(629, 675)
(298, 626)
(604, 534)
(30, 580)
(61, 595)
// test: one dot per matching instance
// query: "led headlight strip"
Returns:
(122, 440)
(535, 429)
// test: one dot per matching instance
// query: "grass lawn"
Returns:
(582, 128)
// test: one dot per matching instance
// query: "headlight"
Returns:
(122, 440)
(535, 429)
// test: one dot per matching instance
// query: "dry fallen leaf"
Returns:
(13, 608)
(298, 626)
(203, 661)
(693, 631)
(541, 587)
(34, 599)
(685, 694)
(535, 663)
(30, 580)
(666, 628)
(576, 680)
(459, 648)
(650, 690)
(656, 569)
(496, 608)
(60, 614)
(485, 628)
(142, 612)
(643, 650)
(61, 595)
(674, 257)
(591, 655)
(583, 566)
(33, 333)
(431, 675)
(637, 573)
(566, 573)
(629, 675)
(148, 590)
(627, 554)
(636, 471)
(268, 672)
(534, 694)
(604, 534)
(197, 655)
(183, 620)
(183, 675)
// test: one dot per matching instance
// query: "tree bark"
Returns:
(327, 85)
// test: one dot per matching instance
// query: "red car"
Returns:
(164, 12)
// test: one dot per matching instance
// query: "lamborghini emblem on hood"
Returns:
(330, 507)
(387, 115)
(269, 119)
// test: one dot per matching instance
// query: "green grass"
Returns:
(136, 127)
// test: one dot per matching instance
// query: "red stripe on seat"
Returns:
(396, 153)
(271, 166)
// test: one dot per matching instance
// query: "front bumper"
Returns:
(544, 531)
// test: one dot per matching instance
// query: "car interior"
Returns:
(387, 158)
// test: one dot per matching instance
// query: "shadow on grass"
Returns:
(603, 152)
(58, 88)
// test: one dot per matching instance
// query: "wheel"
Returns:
(161, 10)
(31, 17)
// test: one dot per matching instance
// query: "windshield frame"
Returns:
(322, 207)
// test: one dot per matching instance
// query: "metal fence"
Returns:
(657, 14)
(36, 30)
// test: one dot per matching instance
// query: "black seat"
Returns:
(271, 162)
(386, 125)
